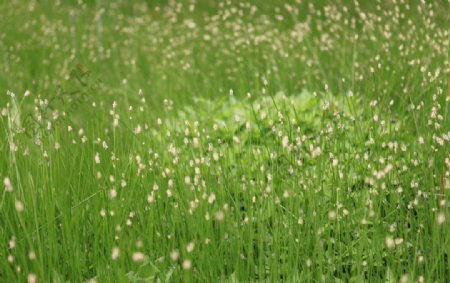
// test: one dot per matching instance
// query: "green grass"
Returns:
(207, 141)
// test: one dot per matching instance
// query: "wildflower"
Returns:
(138, 129)
(31, 278)
(138, 257)
(190, 247)
(12, 243)
(332, 215)
(404, 278)
(219, 216)
(440, 218)
(10, 259)
(420, 258)
(150, 198)
(115, 253)
(390, 243)
(19, 206)
(97, 158)
(174, 255)
(7, 184)
(211, 198)
(196, 142)
(335, 162)
(308, 262)
(285, 141)
(187, 264)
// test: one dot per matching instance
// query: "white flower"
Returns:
(335, 162)
(31, 278)
(190, 247)
(421, 258)
(390, 243)
(211, 198)
(97, 158)
(187, 264)
(219, 216)
(115, 253)
(440, 218)
(174, 255)
(285, 141)
(19, 206)
(138, 257)
(138, 129)
(332, 215)
(7, 184)
(421, 140)
(12, 243)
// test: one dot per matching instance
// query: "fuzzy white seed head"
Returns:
(174, 255)
(97, 158)
(19, 206)
(138, 257)
(150, 198)
(441, 218)
(7, 184)
(219, 216)
(285, 141)
(190, 247)
(332, 215)
(31, 278)
(115, 253)
(390, 243)
(187, 264)
(421, 140)
(211, 198)
(335, 162)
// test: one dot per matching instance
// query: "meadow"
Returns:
(224, 141)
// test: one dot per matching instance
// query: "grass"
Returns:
(204, 141)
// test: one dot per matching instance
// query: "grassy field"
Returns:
(224, 141)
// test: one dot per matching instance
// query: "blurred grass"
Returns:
(357, 82)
